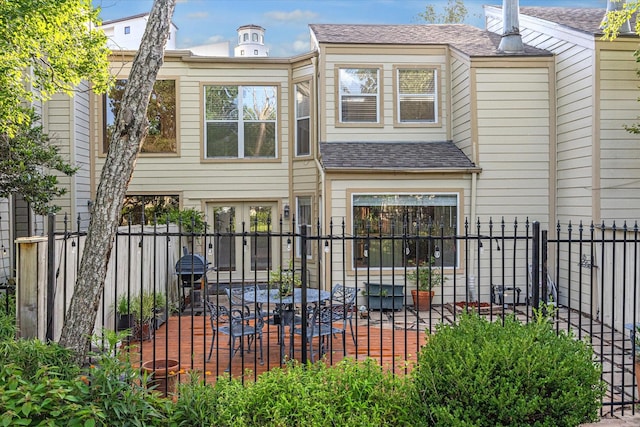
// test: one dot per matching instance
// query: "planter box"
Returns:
(384, 297)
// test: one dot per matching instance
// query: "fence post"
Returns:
(30, 303)
(543, 271)
(535, 265)
(303, 266)
(51, 273)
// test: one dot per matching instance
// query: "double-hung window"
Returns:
(417, 95)
(404, 230)
(240, 121)
(303, 147)
(359, 95)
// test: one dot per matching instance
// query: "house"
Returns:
(427, 123)
(126, 33)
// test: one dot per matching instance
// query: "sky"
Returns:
(286, 21)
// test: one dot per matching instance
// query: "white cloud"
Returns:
(301, 46)
(293, 16)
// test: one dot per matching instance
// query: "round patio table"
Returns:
(286, 307)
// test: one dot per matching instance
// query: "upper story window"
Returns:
(161, 113)
(240, 121)
(254, 37)
(417, 95)
(359, 95)
(127, 30)
(303, 146)
(246, 37)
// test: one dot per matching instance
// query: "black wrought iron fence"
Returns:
(253, 298)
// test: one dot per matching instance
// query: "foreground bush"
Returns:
(348, 394)
(479, 373)
(40, 385)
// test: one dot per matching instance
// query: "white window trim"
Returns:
(400, 97)
(241, 121)
(376, 95)
(302, 118)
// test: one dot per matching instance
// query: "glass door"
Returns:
(248, 255)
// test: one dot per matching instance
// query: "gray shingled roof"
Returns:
(466, 38)
(393, 156)
(581, 19)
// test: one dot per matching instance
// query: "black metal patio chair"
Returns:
(324, 322)
(235, 324)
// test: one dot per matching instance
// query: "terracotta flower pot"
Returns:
(162, 374)
(422, 299)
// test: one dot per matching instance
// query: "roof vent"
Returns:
(511, 41)
(612, 6)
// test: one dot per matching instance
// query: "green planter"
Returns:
(384, 296)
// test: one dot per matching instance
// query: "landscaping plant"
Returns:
(483, 373)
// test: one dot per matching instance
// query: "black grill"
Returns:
(190, 268)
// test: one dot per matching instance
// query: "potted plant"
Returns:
(144, 309)
(125, 319)
(425, 277)
(284, 280)
(384, 296)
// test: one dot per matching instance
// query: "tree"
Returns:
(617, 21)
(455, 12)
(27, 157)
(46, 47)
(131, 127)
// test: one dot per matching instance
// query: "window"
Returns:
(245, 37)
(241, 52)
(161, 113)
(303, 218)
(255, 51)
(384, 219)
(127, 30)
(303, 147)
(254, 37)
(240, 121)
(139, 209)
(359, 95)
(242, 255)
(417, 95)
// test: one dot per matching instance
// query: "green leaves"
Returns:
(485, 373)
(46, 47)
(28, 157)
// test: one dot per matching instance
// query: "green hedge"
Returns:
(482, 373)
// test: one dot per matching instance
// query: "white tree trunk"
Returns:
(131, 129)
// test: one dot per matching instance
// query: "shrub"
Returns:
(7, 315)
(44, 398)
(30, 355)
(486, 374)
(348, 394)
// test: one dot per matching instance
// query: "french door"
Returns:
(241, 257)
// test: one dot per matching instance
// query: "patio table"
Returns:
(287, 307)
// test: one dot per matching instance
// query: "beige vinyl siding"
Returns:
(81, 190)
(514, 133)
(57, 117)
(575, 129)
(385, 59)
(230, 179)
(461, 106)
(620, 150)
